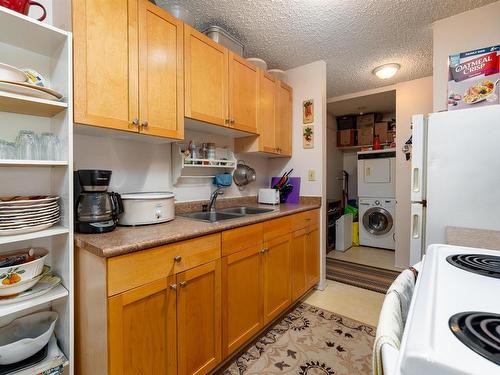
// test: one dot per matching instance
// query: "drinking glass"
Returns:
(50, 147)
(7, 150)
(27, 145)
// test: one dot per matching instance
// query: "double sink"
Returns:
(226, 213)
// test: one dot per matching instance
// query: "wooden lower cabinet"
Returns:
(182, 308)
(312, 258)
(276, 277)
(199, 319)
(298, 253)
(142, 330)
(242, 297)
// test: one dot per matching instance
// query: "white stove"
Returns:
(453, 325)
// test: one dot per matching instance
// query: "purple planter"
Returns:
(294, 195)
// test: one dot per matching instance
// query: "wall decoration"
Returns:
(308, 136)
(308, 111)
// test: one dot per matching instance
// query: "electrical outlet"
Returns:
(311, 175)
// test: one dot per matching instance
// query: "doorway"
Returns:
(361, 133)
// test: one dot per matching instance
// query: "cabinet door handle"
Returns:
(144, 124)
(183, 284)
(135, 122)
(262, 251)
(232, 120)
(173, 286)
(177, 259)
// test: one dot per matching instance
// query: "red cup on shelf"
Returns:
(23, 6)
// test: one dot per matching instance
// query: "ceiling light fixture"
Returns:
(386, 71)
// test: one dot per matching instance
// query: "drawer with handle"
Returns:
(132, 270)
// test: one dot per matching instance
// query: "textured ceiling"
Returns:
(352, 36)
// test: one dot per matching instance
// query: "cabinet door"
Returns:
(267, 115)
(298, 263)
(142, 330)
(284, 119)
(199, 319)
(276, 277)
(105, 63)
(242, 297)
(206, 78)
(312, 258)
(161, 84)
(243, 94)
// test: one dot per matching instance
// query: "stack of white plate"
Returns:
(28, 214)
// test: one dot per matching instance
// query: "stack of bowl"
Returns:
(21, 270)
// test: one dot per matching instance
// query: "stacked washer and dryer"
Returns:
(377, 193)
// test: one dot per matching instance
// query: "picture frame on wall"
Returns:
(308, 111)
(307, 136)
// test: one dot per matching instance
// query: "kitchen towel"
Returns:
(392, 322)
(223, 180)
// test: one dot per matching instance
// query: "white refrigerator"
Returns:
(455, 174)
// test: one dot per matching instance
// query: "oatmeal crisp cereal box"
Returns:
(473, 78)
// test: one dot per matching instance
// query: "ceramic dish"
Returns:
(23, 215)
(45, 285)
(28, 221)
(10, 73)
(25, 336)
(28, 225)
(52, 93)
(27, 89)
(26, 200)
(26, 271)
(42, 207)
(278, 74)
(9, 290)
(259, 63)
(29, 229)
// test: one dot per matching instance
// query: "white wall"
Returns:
(142, 166)
(333, 162)
(309, 82)
(412, 97)
(466, 31)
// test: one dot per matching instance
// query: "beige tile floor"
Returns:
(355, 303)
(369, 256)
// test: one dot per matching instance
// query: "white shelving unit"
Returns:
(27, 43)
(183, 167)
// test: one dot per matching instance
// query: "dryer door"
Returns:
(378, 221)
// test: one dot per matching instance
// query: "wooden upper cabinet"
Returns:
(284, 119)
(161, 91)
(128, 67)
(267, 110)
(105, 63)
(142, 330)
(206, 78)
(199, 319)
(243, 94)
(242, 297)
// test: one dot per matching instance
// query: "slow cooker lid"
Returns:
(148, 195)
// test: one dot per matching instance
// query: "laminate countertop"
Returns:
(125, 240)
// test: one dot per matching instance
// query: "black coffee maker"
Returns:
(96, 210)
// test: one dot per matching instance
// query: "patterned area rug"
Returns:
(310, 341)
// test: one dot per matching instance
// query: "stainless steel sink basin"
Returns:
(226, 213)
(246, 210)
(211, 216)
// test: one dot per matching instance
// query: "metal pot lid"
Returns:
(148, 195)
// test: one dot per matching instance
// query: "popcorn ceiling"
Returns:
(352, 36)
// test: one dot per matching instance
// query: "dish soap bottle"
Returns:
(376, 143)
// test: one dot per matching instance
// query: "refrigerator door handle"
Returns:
(415, 180)
(416, 226)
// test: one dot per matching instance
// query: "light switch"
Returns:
(311, 175)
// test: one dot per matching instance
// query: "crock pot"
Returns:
(147, 208)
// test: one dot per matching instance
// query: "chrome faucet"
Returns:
(213, 198)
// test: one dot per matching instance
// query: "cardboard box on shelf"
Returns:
(366, 121)
(346, 138)
(365, 136)
(346, 122)
(381, 130)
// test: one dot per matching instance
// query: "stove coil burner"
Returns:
(480, 331)
(486, 265)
